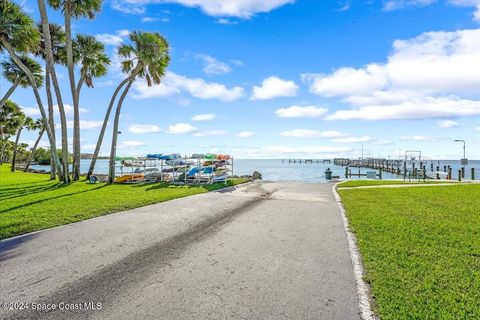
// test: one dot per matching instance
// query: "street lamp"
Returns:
(464, 161)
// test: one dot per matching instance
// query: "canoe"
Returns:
(210, 156)
(209, 169)
(223, 157)
(154, 156)
(197, 156)
(171, 156)
(193, 171)
(129, 178)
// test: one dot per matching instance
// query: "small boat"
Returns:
(133, 163)
(197, 156)
(210, 169)
(210, 156)
(172, 156)
(223, 157)
(132, 177)
(154, 156)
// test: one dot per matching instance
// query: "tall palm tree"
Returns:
(89, 53)
(57, 45)
(18, 33)
(75, 9)
(147, 57)
(27, 123)
(10, 121)
(40, 126)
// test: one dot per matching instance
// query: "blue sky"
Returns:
(285, 78)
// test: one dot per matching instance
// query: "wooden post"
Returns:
(449, 174)
(473, 173)
(346, 172)
(463, 172)
(459, 175)
(380, 174)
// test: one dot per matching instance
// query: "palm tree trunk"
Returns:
(71, 74)
(76, 131)
(104, 128)
(113, 150)
(32, 81)
(15, 146)
(32, 152)
(51, 122)
(9, 93)
(61, 109)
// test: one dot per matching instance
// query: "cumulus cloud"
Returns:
(143, 128)
(203, 117)
(391, 5)
(175, 84)
(274, 87)
(112, 39)
(243, 9)
(307, 133)
(206, 133)
(212, 66)
(31, 112)
(433, 75)
(245, 134)
(181, 128)
(301, 112)
(447, 124)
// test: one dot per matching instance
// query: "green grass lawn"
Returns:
(361, 183)
(30, 202)
(421, 249)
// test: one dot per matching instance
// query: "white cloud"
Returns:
(346, 81)
(307, 133)
(181, 128)
(217, 8)
(31, 112)
(112, 39)
(447, 124)
(391, 5)
(415, 138)
(203, 117)
(143, 128)
(226, 21)
(352, 139)
(212, 66)
(69, 109)
(175, 84)
(301, 112)
(433, 75)
(245, 134)
(149, 19)
(281, 151)
(274, 87)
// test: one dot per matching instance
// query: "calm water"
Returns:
(276, 170)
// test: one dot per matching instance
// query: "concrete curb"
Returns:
(363, 290)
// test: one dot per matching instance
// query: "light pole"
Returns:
(463, 161)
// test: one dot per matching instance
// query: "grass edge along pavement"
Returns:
(31, 202)
(367, 183)
(420, 249)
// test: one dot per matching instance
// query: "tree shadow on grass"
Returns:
(30, 190)
(50, 198)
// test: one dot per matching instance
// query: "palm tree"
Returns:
(147, 57)
(27, 123)
(38, 125)
(89, 53)
(75, 9)
(10, 121)
(57, 45)
(18, 33)
(17, 77)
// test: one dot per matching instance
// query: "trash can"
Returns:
(328, 174)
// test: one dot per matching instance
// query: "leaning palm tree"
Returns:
(56, 45)
(147, 57)
(89, 53)
(18, 33)
(40, 126)
(27, 123)
(74, 9)
(17, 76)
